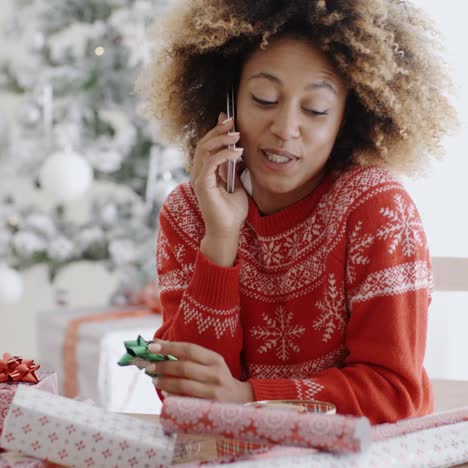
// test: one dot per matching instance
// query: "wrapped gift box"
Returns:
(96, 346)
(47, 382)
(73, 433)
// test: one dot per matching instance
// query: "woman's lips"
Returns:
(278, 166)
(280, 152)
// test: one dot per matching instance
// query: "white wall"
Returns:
(440, 197)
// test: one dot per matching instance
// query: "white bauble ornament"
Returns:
(66, 175)
(11, 285)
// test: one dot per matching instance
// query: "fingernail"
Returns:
(164, 393)
(221, 117)
(233, 133)
(226, 121)
(239, 150)
(154, 347)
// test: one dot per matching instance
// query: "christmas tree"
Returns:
(79, 122)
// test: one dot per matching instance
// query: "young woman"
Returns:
(312, 280)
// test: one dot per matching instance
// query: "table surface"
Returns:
(448, 394)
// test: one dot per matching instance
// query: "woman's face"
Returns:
(290, 106)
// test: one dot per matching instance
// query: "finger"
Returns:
(216, 160)
(186, 351)
(221, 117)
(205, 175)
(208, 146)
(219, 141)
(222, 127)
(184, 369)
(185, 387)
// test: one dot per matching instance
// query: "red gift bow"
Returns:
(17, 369)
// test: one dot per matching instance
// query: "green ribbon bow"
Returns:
(139, 349)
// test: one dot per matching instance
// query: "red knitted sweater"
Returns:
(328, 298)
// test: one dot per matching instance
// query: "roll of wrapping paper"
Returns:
(341, 434)
(405, 426)
(229, 448)
(429, 448)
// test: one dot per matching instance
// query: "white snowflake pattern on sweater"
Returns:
(333, 313)
(404, 228)
(278, 333)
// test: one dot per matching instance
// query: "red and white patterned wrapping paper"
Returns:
(437, 447)
(47, 382)
(266, 425)
(13, 459)
(405, 426)
(71, 433)
(439, 439)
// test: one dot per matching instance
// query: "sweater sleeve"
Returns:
(200, 300)
(387, 285)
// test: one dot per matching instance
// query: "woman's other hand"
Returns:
(198, 372)
(223, 212)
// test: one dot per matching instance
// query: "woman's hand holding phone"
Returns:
(223, 213)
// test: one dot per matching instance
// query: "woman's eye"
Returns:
(316, 112)
(263, 102)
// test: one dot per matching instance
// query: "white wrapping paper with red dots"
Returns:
(72, 433)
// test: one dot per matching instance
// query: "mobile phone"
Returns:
(231, 165)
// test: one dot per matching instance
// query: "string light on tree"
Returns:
(66, 175)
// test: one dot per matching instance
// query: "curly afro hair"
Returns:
(387, 52)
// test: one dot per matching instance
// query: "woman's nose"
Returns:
(286, 124)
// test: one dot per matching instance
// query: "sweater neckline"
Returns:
(291, 215)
